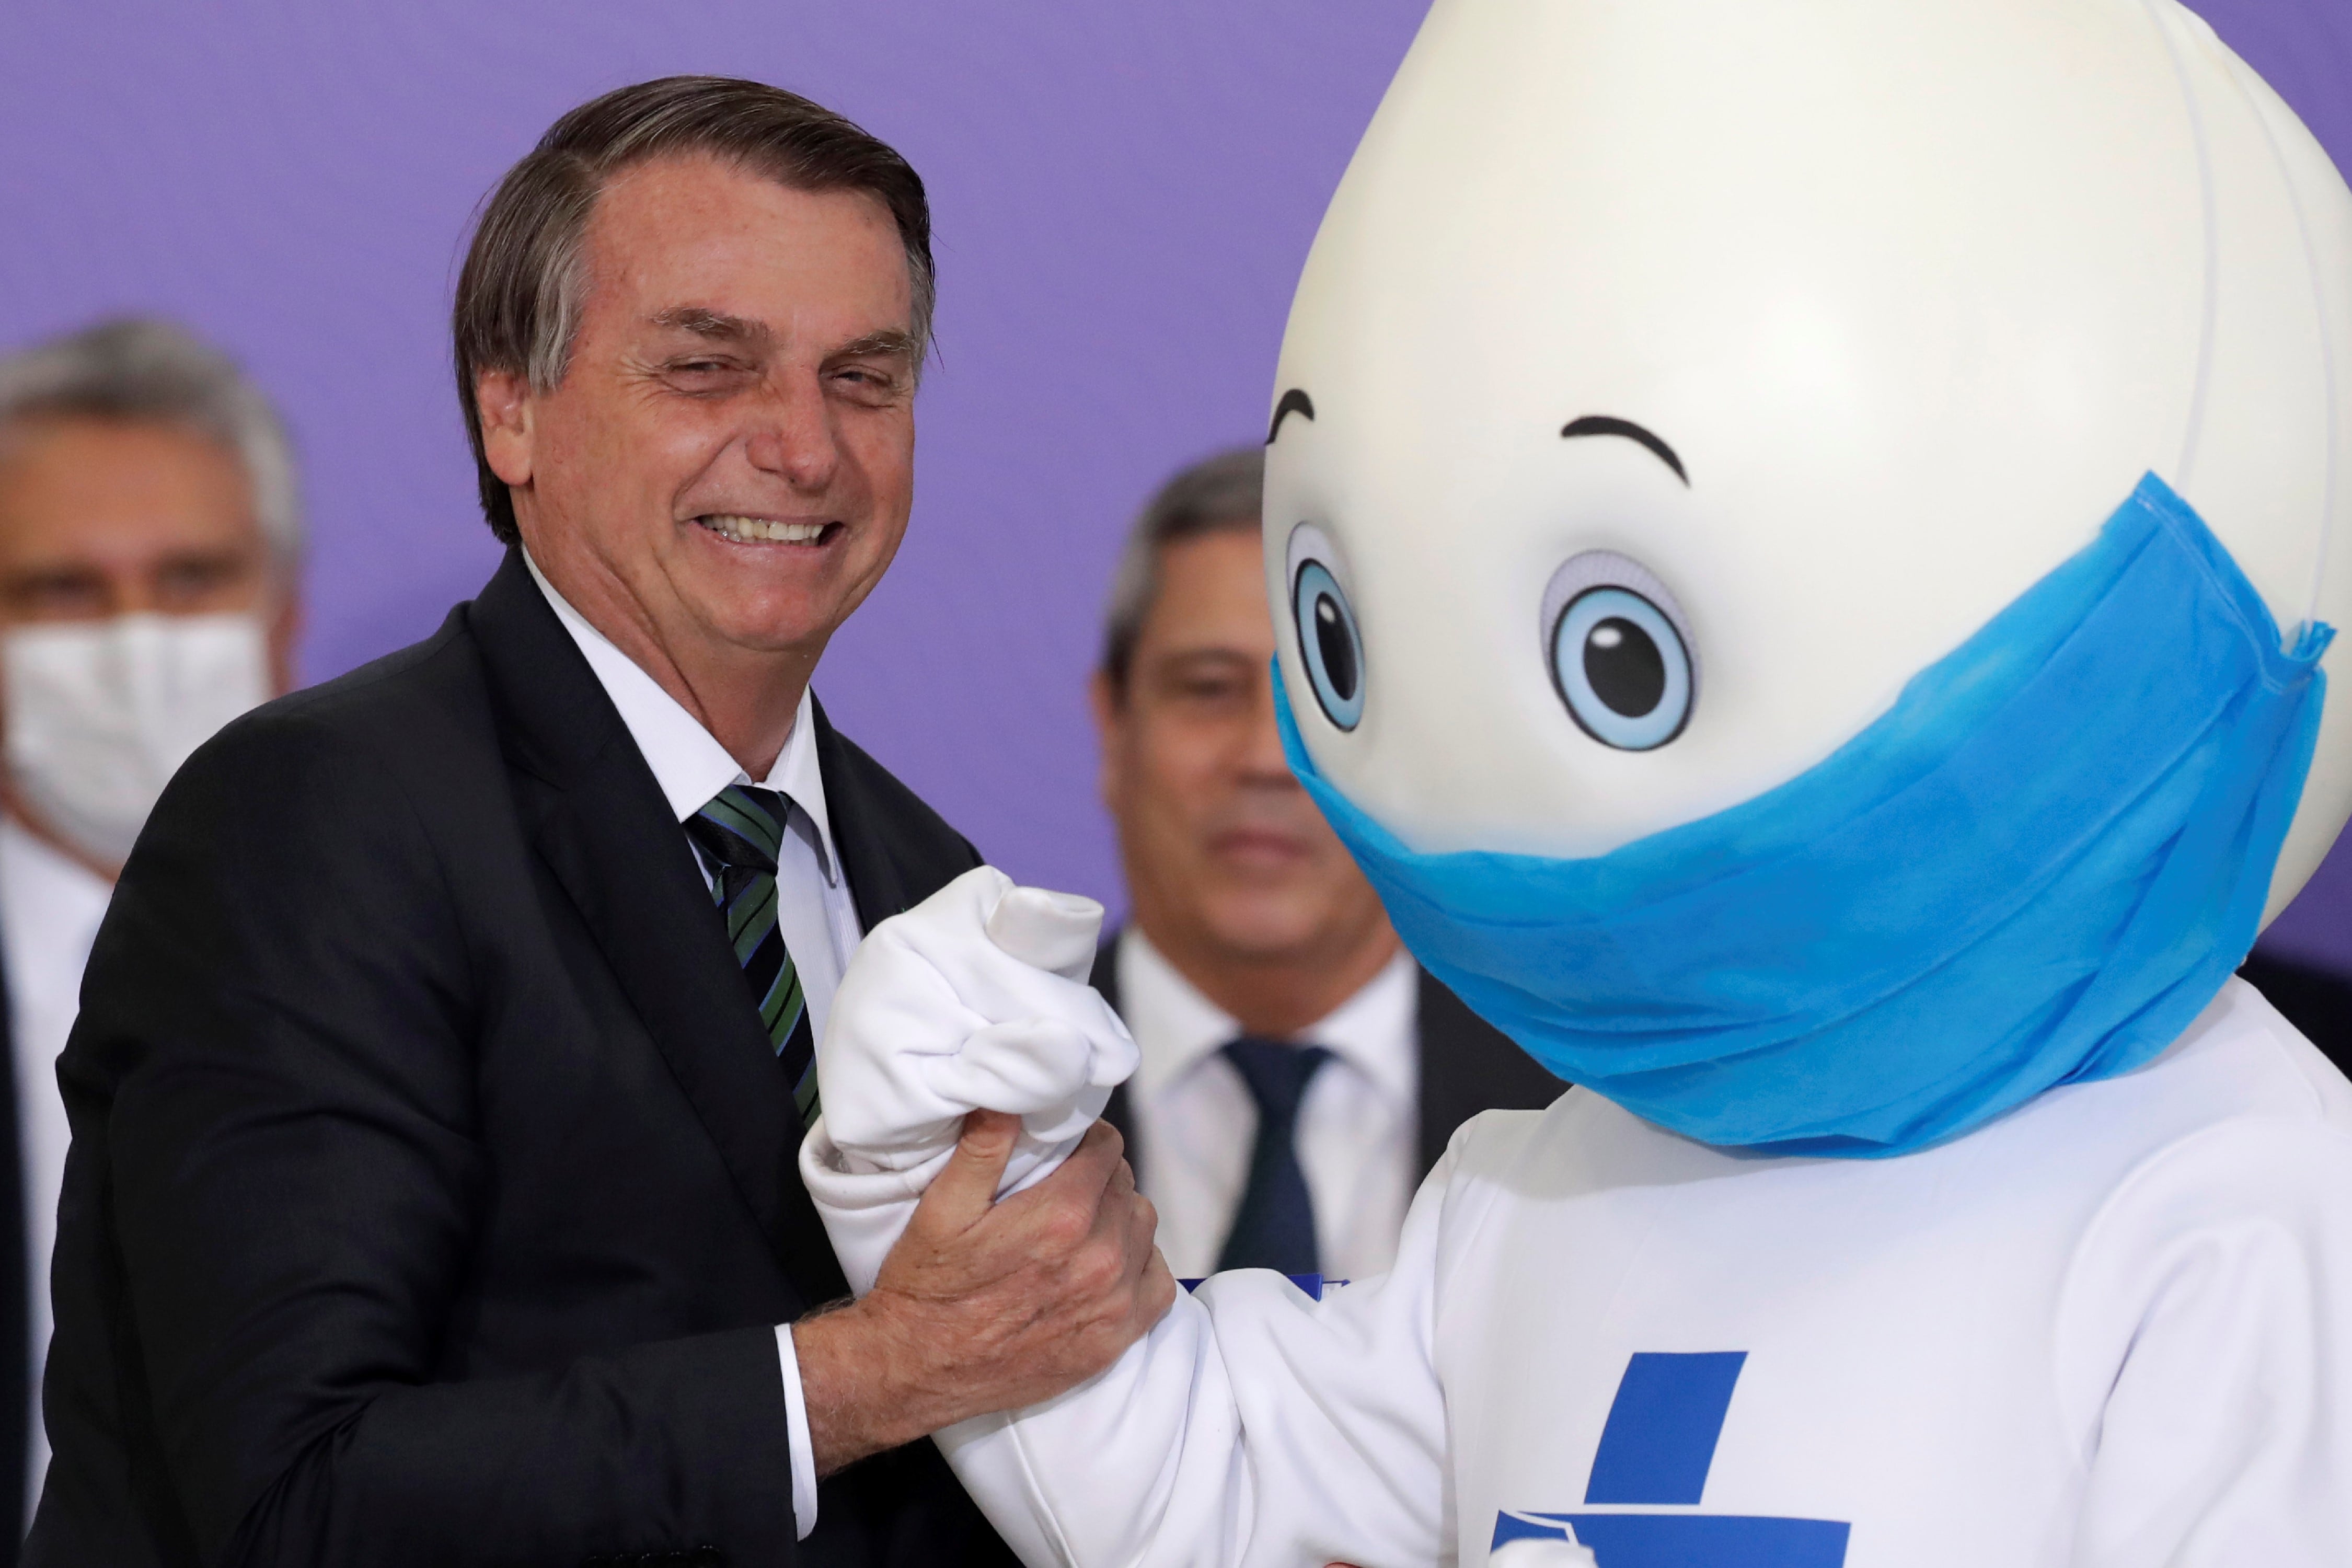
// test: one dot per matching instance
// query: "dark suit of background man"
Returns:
(1300, 1073)
(431, 1198)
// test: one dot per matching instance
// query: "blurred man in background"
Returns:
(1300, 1073)
(149, 548)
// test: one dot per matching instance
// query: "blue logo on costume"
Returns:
(1656, 1448)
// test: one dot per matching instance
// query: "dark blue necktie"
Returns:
(739, 836)
(1275, 1225)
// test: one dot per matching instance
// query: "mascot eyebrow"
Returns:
(1293, 401)
(1595, 425)
(1296, 401)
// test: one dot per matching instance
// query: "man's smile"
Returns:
(743, 529)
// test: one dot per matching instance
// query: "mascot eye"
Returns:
(1619, 652)
(1327, 638)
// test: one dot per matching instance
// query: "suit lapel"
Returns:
(15, 1265)
(1104, 976)
(1468, 1066)
(877, 884)
(1120, 1110)
(598, 819)
(1433, 1103)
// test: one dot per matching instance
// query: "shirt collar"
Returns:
(1185, 1026)
(686, 760)
(1372, 1030)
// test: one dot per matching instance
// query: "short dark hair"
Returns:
(519, 297)
(1219, 494)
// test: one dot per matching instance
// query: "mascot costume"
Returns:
(1805, 535)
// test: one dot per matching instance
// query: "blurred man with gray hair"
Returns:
(150, 542)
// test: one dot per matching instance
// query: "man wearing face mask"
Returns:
(149, 553)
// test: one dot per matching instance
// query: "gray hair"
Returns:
(1219, 494)
(520, 296)
(143, 370)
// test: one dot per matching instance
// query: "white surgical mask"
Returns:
(100, 714)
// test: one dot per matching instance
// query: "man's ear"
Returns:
(503, 399)
(1110, 711)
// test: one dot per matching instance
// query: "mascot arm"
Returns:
(1252, 1425)
(2210, 1310)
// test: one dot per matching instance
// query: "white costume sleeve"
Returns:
(1252, 1426)
(2220, 1275)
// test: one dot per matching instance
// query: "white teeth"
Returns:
(759, 530)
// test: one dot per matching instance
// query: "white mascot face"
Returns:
(1817, 330)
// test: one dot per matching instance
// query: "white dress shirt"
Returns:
(50, 906)
(814, 910)
(1359, 1126)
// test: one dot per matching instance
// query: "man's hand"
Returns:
(985, 1306)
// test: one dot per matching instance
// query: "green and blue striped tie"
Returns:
(739, 836)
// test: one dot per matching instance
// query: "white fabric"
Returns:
(102, 713)
(974, 999)
(941, 1026)
(2112, 1330)
(796, 1434)
(1359, 1126)
(50, 906)
(815, 911)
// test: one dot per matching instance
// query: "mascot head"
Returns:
(1803, 534)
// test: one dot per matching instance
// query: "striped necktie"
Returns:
(739, 836)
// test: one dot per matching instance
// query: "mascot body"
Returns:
(1805, 533)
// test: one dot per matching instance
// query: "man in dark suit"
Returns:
(432, 1196)
(1299, 1074)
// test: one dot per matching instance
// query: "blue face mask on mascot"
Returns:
(2036, 868)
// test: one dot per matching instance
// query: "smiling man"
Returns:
(432, 1195)
(1300, 1073)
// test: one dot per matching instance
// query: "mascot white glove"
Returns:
(974, 1000)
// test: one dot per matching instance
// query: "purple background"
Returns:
(1124, 194)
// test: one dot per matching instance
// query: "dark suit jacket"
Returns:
(432, 1194)
(16, 1320)
(2316, 1001)
(1468, 1066)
